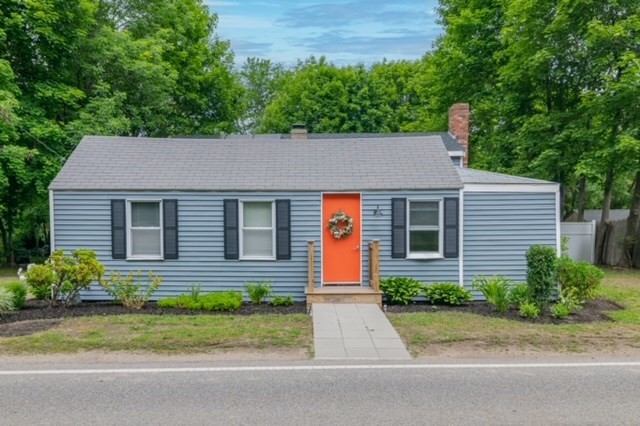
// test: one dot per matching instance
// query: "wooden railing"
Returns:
(374, 265)
(311, 272)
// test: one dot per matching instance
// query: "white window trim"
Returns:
(130, 240)
(273, 230)
(426, 255)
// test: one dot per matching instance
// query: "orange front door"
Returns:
(341, 258)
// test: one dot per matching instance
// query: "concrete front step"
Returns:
(341, 294)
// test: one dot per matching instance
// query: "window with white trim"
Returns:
(424, 233)
(144, 222)
(257, 230)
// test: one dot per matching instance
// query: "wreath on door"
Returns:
(340, 225)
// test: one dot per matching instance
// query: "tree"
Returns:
(260, 79)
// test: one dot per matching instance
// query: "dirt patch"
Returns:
(25, 328)
(593, 311)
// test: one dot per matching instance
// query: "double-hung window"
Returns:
(425, 229)
(145, 231)
(257, 226)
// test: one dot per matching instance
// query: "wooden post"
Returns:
(311, 276)
(374, 265)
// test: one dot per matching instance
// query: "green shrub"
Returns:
(529, 310)
(19, 291)
(6, 300)
(40, 278)
(63, 277)
(541, 263)
(258, 291)
(579, 281)
(519, 294)
(227, 301)
(495, 290)
(169, 302)
(446, 294)
(281, 301)
(400, 290)
(560, 310)
(128, 291)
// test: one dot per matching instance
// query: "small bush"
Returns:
(40, 278)
(258, 291)
(519, 294)
(128, 291)
(529, 310)
(495, 290)
(400, 290)
(446, 294)
(19, 291)
(6, 300)
(195, 291)
(560, 311)
(578, 281)
(61, 278)
(541, 262)
(227, 301)
(281, 301)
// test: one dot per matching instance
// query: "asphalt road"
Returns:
(312, 393)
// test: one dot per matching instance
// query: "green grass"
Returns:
(168, 334)
(8, 275)
(434, 333)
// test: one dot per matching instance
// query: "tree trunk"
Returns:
(604, 219)
(631, 235)
(5, 242)
(582, 198)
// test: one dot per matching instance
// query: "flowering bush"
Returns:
(128, 291)
(62, 277)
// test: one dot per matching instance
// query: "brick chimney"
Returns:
(459, 115)
(299, 131)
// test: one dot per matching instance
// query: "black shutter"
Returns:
(118, 229)
(283, 229)
(170, 228)
(451, 228)
(398, 228)
(231, 247)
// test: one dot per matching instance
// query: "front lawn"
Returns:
(453, 333)
(163, 334)
(8, 275)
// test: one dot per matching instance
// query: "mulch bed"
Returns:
(26, 322)
(593, 311)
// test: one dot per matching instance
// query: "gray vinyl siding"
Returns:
(499, 228)
(82, 220)
(379, 228)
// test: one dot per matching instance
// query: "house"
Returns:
(221, 212)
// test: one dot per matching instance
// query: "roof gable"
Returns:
(258, 164)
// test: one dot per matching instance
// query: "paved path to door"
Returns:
(350, 331)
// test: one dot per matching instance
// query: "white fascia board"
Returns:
(512, 187)
(52, 237)
(456, 153)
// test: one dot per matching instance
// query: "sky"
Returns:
(345, 31)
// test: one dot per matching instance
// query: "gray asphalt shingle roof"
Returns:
(260, 164)
(481, 176)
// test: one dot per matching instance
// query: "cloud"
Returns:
(385, 44)
(359, 11)
(212, 4)
(250, 48)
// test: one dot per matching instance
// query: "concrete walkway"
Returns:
(350, 331)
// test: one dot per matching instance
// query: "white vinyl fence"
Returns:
(582, 239)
